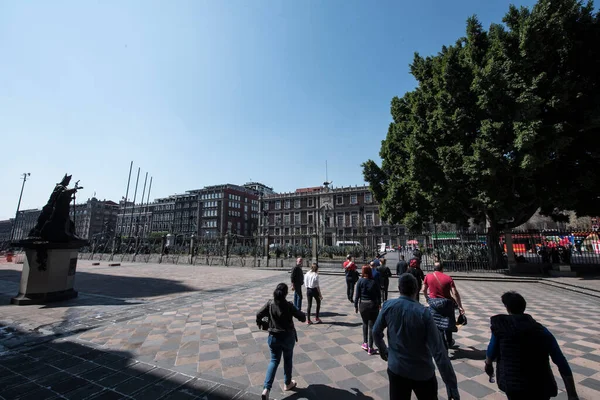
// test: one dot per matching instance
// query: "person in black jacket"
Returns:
(368, 302)
(384, 279)
(297, 278)
(402, 266)
(282, 336)
(521, 347)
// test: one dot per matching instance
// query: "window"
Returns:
(286, 219)
(340, 200)
(353, 199)
(354, 219)
(296, 203)
(310, 230)
(287, 204)
(297, 231)
(266, 206)
(297, 219)
(311, 202)
(340, 220)
(368, 198)
(278, 205)
(277, 231)
(311, 218)
(369, 219)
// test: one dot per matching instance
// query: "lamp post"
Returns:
(24, 177)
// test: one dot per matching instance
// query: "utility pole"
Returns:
(24, 177)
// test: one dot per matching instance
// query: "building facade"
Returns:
(329, 214)
(24, 222)
(94, 217)
(134, 220)
(259, 188)
(5, 231)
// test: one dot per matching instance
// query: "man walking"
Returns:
(521, 347)
(402, 266)
(384, 278)
(441, 295)
(413, 340)
(351, 277)
(297, 278)
(415, 270)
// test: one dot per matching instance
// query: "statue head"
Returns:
(65, 180)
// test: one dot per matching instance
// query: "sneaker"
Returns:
(364, 347)
(318, 320)
(309, 322)
(291, 386)
(372, 351)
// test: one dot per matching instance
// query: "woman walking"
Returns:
(368, 302)
(311, 281)
(282, 336)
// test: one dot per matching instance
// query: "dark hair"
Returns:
(367, 272)
(407, 285)
(280, 292)
(314, 267)
(438, 266)
(402, 256)
(514, 302)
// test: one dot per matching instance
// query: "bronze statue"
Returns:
(54, 223)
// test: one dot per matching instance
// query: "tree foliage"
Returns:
(502, 123)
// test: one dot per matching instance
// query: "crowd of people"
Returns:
(419, 336)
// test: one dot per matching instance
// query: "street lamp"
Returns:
(24, 177)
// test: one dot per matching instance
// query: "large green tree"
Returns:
(502, 123)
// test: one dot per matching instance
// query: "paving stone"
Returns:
(84, 392)
(39, 394)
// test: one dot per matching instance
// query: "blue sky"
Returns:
(206, 92)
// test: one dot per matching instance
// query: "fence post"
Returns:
(510, 251)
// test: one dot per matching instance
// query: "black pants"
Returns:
(369, 310)
(446, 338)
(385, 284)
(401, 388)
(310, 294)
(350, 284)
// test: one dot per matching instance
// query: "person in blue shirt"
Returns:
(376, 274)
(413, 340)
(521, 347)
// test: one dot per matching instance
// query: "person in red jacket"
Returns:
(351, 277)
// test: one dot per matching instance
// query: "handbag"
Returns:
(265, 322)
(462, 320)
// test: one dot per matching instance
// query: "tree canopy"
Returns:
(501, 124)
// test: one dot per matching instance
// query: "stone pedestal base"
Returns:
(48, 274)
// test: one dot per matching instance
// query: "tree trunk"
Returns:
(495, 254)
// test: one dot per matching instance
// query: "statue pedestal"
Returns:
(48, 272)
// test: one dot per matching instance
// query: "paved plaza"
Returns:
(183, 332)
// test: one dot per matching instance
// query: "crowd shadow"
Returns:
(320, 392)
(70, 370)
(469, 353)
(329, 314)
(345, 324)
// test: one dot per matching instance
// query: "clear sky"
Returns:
(206, 92)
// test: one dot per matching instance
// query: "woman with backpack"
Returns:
(282, 336)
(368, 302)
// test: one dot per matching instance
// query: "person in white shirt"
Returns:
(311, 282)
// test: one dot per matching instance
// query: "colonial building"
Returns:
(5, 231)
(94, 217)
(134, 220)
(330, 214)
(24, 222)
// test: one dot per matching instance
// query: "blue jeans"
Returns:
(281, 343)
(298, 298)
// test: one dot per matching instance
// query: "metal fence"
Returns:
(459, 251)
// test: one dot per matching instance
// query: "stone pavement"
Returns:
(199, 339)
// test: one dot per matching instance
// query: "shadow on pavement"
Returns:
(123, 287)
(342, 323)
(75, 371)
(320, 392)
(327, 314)
(472, 354)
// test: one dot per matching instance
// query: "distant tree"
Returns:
(501, 124)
